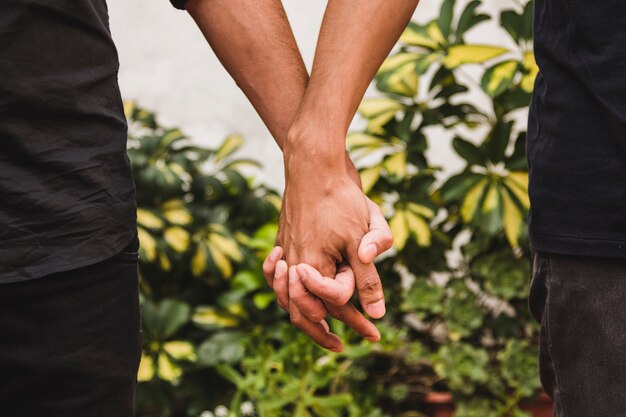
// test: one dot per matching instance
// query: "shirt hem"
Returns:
(29, 274)
(579, 246)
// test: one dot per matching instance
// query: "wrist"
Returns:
(313, 147)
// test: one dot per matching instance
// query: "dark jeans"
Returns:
(70, 342)
(581, 305)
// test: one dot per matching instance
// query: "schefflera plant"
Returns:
(470, 314)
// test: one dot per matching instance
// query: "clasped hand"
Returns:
(329, 234)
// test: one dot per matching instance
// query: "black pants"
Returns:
(581, 305)
(70, 342)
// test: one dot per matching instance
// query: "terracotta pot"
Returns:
(440, 404)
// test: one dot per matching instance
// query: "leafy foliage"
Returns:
(455, 281)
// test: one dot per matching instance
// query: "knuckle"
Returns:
(340, 299)
(296, 320)
(369, 283)
(317, 315)
(337, 312)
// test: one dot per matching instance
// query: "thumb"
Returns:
(368, 285)
(379, 238)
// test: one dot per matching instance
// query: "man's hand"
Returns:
(335, 290)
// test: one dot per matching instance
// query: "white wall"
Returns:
(167, 66)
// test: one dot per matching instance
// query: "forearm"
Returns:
(355, 37)
(255, 43)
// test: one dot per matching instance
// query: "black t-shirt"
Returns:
(66, 193)
(577, 129)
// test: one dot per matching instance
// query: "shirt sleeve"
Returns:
(179, 4)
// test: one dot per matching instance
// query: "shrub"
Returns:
(215, 342)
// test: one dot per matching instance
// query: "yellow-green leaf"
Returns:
(420, 228)
(528, 80)
(373, 107)
(396, 164)
(227, 246)
(418, 36)
(421, 210)
(147, 245)
(434, 32)
(199, 260)
(180, 350)
(399, 229)
(164, 261)
(146, 368)
(517, 182)
(178, 216)
(471, 54)
(357, 140)
(129, 108)
(398, 60)
(168, 370)
(491, 199)
(209, 316)
(498, 78)
(230, 145)
(403, 80)
(471, 200)
(148, 219)
(512, 219)
(221, 261)
(369, 177)
(177, 238)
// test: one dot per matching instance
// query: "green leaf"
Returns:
(530, 66)
(472, 200)
(417, 35)
(263, 300)
(399, 229)
(469, 18)
(512, 219)
(419, 228)
(209, 318)
(471, 54)
(180, 350)
(395, 164)
(497, 79)
(457, 186)
(495, 145)
(163, 320)
(445, 17)
(230, 145)
(332, 401)
(369, 177)
(468, 151)
(512, 23)
(222, 348)
(374, 107)
(177, 238)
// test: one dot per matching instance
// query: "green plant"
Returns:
(471, 314)
(455, 281)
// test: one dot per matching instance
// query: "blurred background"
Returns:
(439, 141)
(169, 67)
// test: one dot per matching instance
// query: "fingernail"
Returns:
(377, 309)
(293, 274)
(336, 347)
(301, 272)
(281, 268)
(371, 251)
(274, 254)
(374, 337)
